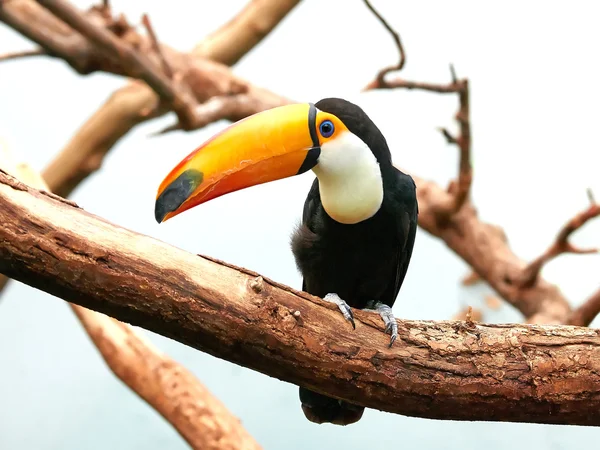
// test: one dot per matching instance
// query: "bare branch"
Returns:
(485, 248)
(23, 54)
(584, 314)
(241, 34)
(136, 63)
(443, 370)
(459, 189)
(561, 245)
(165, 65)
(380, 78)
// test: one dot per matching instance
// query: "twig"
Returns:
(461, 187)
(137, 63)
(23, 54)
(469, 314)
(156, 46)
(380, 78)
(587, 312)
(560, 245)
(463, 141)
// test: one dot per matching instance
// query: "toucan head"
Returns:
(333, 137)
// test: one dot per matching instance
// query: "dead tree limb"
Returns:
(561, 244)
(443, 370)
(199, 417)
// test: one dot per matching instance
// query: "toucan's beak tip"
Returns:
(175, 193)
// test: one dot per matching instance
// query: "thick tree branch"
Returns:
(201, 419)
(560, 245)
(444, 370)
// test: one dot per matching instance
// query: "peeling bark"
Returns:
(444, 370)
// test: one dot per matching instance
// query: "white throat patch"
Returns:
(349, 179)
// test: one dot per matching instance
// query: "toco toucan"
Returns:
(359, 220)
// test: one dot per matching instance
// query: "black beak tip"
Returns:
(159, 211)
(176, 193)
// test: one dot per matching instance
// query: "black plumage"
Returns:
(363, 263)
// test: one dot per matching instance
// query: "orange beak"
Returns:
(271, 145)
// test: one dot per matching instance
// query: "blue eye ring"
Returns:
(326, 128)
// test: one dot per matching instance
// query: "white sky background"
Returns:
(535, 97)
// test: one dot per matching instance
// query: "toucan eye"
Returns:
(326, 128)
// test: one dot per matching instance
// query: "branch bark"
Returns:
(443, 370)
(199, 417)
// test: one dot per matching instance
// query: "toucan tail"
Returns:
(321, 409)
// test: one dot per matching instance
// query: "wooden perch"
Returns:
(443, 370)
(200, 418)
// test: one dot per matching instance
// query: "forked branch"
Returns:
(136, 64)
(460, 188)
(379, 80)
(561, 244)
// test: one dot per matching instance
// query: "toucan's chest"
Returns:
(355, 261)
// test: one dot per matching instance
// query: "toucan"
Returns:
(359, 220)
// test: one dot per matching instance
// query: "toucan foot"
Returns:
(343, 306)
(391, 326)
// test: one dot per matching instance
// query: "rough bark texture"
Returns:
(200, 418)
(445, 370)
